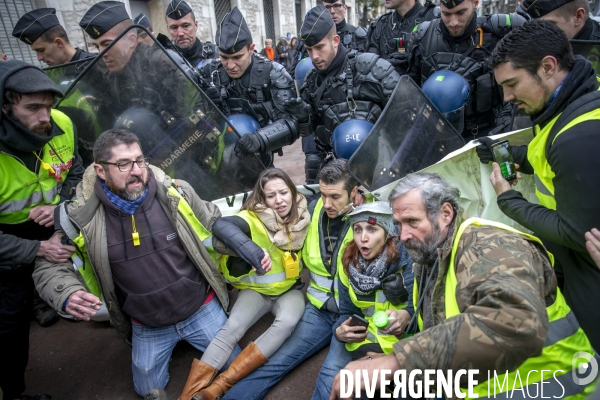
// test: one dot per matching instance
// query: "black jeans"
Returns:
(16, 306)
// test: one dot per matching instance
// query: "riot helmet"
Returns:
(244, 125)
(302, 69)
(348, 136)
(449, 92)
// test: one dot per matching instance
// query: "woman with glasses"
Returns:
(267, 236)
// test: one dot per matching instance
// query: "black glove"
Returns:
(214, 94)
(399, 60)
(394, 290)
(484, 150)
(247, 144)
(298, 108)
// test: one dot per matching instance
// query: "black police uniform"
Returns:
(389, 34)
(352, 37)
(260, 92)
(199, 51)
(537, 9)
(432, 48)
(355, 86)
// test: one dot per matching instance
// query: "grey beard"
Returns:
(425, 253)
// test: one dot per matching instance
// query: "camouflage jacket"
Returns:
(504, 285)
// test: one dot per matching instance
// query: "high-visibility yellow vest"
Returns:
(82, 259)
(565, 339)
(536, 154)
(272, 283)
(369, 305)
(322, 284)
(22, 189)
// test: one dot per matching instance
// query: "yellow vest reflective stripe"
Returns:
(274, 282)
(369, 305)
(87, 271)
(26, 189)
(322, 284)
(565, 339)
(183, 207)
(536, 155)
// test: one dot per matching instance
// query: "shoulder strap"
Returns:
(260, 76)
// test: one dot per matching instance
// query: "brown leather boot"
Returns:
(201, 375)
(249, 359)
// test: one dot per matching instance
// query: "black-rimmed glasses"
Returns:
(126, 166)
(337, 6)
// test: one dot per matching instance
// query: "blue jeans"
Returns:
(152, 347)
(313, 332)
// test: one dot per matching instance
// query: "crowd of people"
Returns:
(407, 282)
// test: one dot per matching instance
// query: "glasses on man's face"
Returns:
(126, 166)
(336, 6)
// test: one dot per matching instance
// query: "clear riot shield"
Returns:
(411, 134)
(142, 89)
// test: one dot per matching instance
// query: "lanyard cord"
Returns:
(45, 165)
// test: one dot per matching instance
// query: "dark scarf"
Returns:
(581, 80)
(368, 279)
(340, 25)
(128, 207)
(469, 31)
(18, 137)
(337, 63)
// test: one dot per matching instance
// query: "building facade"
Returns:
(266, 19)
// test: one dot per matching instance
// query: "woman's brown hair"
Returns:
(257, 201)
(351, 254)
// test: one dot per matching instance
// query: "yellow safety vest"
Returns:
(87, 272)
(565, 339)
(274, 282)
(369, 305)
(322, 284)
(536, 154)
(22, 189)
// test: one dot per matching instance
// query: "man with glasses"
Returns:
(351, 36)
(147, 254)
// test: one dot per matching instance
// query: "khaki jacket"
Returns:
(504, 284)
(56, 282)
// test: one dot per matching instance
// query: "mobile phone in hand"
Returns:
(502, 155)
(357, 320)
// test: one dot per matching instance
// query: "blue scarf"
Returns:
(127, 207)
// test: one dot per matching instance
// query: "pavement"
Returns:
(89, 360)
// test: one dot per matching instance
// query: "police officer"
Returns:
(460, 41)
(338, 89)
(41, 30)
(37, 144)
(136, 76)
(572, 16)
(142, 36)
(182, 26)
(243, 82)
(389, 34)
(351, 36)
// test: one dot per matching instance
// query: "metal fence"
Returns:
(10, 12)
(269, 21)
(222, 7)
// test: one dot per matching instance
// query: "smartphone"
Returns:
(501, 154)
(359, 321)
